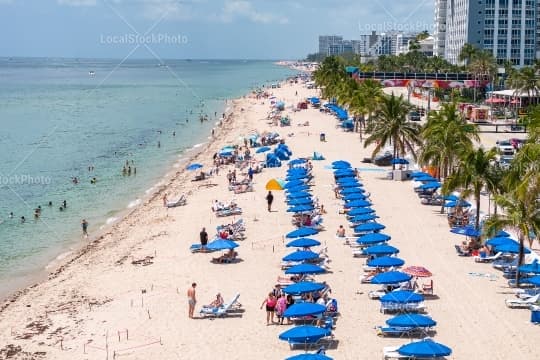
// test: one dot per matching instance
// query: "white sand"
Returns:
(100, 293)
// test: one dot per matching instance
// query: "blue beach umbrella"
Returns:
(304, 334)
(360, 211)
(411, 320)
(308, 356)
(458, 203)
(298, 195)
(300, 208)
(511, 249)
(416, 174)
(363, 218)
(369, 226)
(347, 179)
(373, 238)
(263, 149)
(430, 185)
(425, 348)
(303, 287)
(391, 277)
(386, 261)
(194, 166)
(340, 164)
(300, 201)
(303, 243)
(300, 256)
(297, 189)
(351, 197)
(467, 231)
(304, 309)
(221, 245)
(301, 232)
(297, 161)
(293, 184)
(498, 241)
(535, 280)
(293, 177)
(427, 178)
(347, 185)
(305, 269)
(357, 203)
(451, 198)
(380, 250)
(502, 233)
(402, 297)
(532, 268)
(351, 190)
(296, 171)
(344, 174)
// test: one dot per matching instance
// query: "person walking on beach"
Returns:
(250, 173)
(165, 200)
(192, 299)
(270, 303)
(269, 200)
(84, 225)
(203, 235)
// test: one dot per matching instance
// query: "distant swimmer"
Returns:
(158, 144)
(124, 171)
(187, 120)
(61, 208)
(93, 180)
(23, 219)
(11, 215)
(174, 133)
(36, 214)
(50, 203)
(134, 171)
(64, 204)
(129, 171)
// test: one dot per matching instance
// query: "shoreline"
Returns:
(78, 249)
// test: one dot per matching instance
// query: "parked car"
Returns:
(505, 148)
(505, 161)
(414, 116)
(384, 159)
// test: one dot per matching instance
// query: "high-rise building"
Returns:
(506, 28)
(327, 41)
(439, 34)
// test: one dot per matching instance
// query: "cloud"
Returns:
(167, 9)
(237, 9)
(76, 2)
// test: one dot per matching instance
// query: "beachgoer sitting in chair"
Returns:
(218, 301)
(229, 256)
(200, 177)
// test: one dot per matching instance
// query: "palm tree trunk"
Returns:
(477, 220)
(520, 257)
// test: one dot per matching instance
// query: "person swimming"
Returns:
(64, 204)
(11, 215)
(23, 219)
(50, 203)
(93, 180)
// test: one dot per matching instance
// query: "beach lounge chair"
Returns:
(522, 304)
(484, 259)
(427, 289)
(181, 201)
(526, 293)
(391, 352)
(226, 258)
(229, 212)
(396, 331)
(220, 311)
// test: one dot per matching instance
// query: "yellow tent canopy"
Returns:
(274, 184)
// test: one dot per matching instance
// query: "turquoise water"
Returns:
(60, 116)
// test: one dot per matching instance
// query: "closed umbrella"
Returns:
(391, 277)
(303, 287)
(425, 348)
(385, 261)
(304, 334)
(303, 243)
(305, 269)
(304, 309)
(300, 256)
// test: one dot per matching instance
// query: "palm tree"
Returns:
(329, 75)
(447, 136)
(390, 125)
(468, 51)
(525, 80)
(473, 174)
(372, 93)
(521, 213)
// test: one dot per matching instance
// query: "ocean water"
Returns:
(60, 116)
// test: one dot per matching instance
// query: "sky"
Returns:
(196, 29)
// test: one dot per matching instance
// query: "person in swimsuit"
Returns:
(192, 299)
(271, 303)
(340, 231)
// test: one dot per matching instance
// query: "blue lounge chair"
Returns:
(396, 331)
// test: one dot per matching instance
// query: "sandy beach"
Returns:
(99, 305)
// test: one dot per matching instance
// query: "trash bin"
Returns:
(323, 137)
(535, 315)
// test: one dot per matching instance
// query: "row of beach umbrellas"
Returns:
(364, 221)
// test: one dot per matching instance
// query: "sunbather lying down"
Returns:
(229, 256)
(217, 302)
